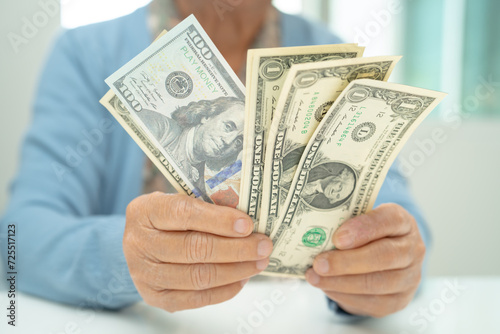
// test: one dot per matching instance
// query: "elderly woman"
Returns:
(89, 236)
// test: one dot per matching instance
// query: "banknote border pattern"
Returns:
(318, 140)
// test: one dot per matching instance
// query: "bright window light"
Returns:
(76, 13)
(289, 6)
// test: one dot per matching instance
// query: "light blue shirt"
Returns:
(79, 169)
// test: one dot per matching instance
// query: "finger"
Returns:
(380, 255)
(201, 276)
(198, 247)
(387, 220)
(182, 213)
(378, 283)
(175, 300)
(372, 305)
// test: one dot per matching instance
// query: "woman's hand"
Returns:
(376, 268)
(183, 253)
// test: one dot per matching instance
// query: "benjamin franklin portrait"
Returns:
(206, 133)
(329, 185)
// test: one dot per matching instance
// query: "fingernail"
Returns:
(344, 239)
(245, 281)
(265, 247)
(312, 277)
(262, 264)
(322, 266)
(241, 226)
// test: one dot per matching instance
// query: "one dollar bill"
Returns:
(267, 70)
(343, 167)
(189, 106)
(308, 93)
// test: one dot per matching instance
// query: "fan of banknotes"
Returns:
(303, 148)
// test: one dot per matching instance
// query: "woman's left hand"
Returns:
(376, 268)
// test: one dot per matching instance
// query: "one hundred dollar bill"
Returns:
(308, 93)
(267, 70)
(111, 102)
(188, 105)
(344, 166)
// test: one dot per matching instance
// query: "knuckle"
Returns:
(149, 200)
(135, 206)
(130, 210)
(398, 212)
(406, 256)
(154, 195)
(202, 276)
(134, 268)
(155, 277)
(199, 247)
(414, 253)
(133, 248)
(139, 210)
(128, 240)
(393, 213)
(181, 209)
(201, 299)
(398, 254)
(372, 282)
(421, 249)
(389, 256)
(406, 260)
(168, 301)
(368, 282)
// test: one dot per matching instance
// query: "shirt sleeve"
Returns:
(394, 190)
(69, 244)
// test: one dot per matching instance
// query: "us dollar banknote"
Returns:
(267, 70)
(308, 93)
(111, 102)
(343, 167)
(189, 106)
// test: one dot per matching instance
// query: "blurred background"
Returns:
(452, 161)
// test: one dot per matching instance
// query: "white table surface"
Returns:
(475, 309)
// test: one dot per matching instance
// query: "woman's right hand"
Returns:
(183, 253)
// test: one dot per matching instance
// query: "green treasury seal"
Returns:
(314, 237)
